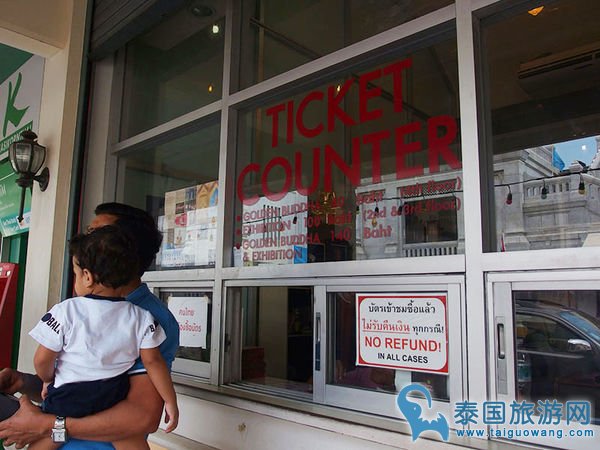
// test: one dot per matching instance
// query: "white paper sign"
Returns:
(192, 315)
(407, 331)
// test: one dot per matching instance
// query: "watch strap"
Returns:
(59, 430)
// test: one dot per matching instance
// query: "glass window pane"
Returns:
(275, 38)
(344, 371)
(367, 166)
(544, 97)
(193, 311)
(176, 182)
(277, 339)
(557, 338)
(173, 69)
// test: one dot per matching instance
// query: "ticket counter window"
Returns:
(365, 166)
(354, 346)
(543, 132)
(176, 182)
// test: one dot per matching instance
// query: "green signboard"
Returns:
(21, 78)
(10, 200)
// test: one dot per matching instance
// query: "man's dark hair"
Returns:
(109, 253)
(140, 225)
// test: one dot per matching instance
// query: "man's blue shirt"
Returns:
(145, 299)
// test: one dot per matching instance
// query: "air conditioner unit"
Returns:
(561, 73)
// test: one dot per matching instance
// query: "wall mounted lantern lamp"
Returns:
(27, 158)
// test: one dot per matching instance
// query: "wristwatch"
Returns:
(59, 431)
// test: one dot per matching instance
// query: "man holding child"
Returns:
(140, 412)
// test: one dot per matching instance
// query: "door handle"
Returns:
(501, 341)
(501, 358)
(318, 341)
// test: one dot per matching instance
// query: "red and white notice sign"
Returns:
(403, 331)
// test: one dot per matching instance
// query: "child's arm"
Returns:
(159, 374)
(43, 361)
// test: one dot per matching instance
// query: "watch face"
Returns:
(59, 436)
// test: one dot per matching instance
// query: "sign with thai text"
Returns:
(402, 331)
(192, 315)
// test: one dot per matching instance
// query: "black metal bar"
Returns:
(22, 206)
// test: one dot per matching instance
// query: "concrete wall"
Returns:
(37, 26)
(55, 30)
(253, 426)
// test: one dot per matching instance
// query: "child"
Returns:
(88, 343)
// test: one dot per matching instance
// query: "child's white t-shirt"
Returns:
(97, 337)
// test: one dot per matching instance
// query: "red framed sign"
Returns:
(402, 331)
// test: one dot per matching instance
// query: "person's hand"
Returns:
(45, 391)
(27, 425)
(11, 381)
(171, 416)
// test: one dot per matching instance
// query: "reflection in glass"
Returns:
(557, 336)
(173, 69)
(176, 182)
(543, 104)
(552, 204)
(344, 371)
(275, 37)
(277, 339)
(366, 166)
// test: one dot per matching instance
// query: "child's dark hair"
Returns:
(109, 253)
(140, 225)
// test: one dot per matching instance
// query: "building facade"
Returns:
(356, 196)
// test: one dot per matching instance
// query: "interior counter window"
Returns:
(276, 353)
(323, 344)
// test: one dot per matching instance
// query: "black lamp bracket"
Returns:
(43, 178)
